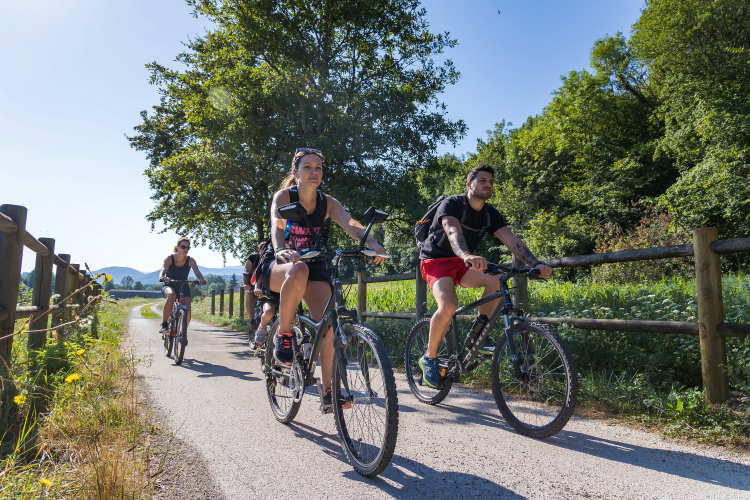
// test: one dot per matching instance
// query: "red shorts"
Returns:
(434, 269)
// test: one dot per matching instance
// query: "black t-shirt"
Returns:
(437, 246)
(253, 258)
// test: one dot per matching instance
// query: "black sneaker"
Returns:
(164, 328)
(282, 348)
(328, 402)
(184, 340)
(488, 347)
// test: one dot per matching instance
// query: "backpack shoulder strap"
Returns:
(293, 194)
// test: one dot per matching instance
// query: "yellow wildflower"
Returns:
(72, 378)
(107, 277)
(20, 399)
(54, 334)
(81, 352)
(45, 482)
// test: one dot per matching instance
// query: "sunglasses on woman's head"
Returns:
(309, 150)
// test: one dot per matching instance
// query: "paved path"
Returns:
(459, 449)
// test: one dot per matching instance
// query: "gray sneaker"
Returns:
(260, 336)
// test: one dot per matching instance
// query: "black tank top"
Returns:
(178, 273)
(297, 234)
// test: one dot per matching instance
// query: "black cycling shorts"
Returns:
(272, 298)
(185, 289)
(317, 272)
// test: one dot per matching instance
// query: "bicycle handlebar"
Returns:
(189, 282)
(312, 254)
(495, 269)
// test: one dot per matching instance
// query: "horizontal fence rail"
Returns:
(710, 327)
(68, 280)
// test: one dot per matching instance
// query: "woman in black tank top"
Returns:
(296, 280)
(177, 267)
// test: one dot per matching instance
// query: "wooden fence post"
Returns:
(242, 302)
(11, 254)
(361, 294)
(231, 301)
(221, 302)
(421, 295)
(520, 288)
(73, 285)
(61, 287)
(710, 315)
(213, 302)
(41, 293)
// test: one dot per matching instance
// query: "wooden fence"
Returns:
(706, 249)
(68, 278)
(231, 292)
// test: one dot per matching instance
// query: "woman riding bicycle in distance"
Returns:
(297, 280)
(177, 267)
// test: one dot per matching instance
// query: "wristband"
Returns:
(280, 249)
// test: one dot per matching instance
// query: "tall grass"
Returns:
(72, 423)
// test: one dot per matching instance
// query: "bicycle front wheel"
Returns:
(280, 385)
(168, 340)
(180, 328)
(416, 346)
(539, 398)
(366, 415)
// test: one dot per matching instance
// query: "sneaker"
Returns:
(260, 335)
(431, 372)
(328, 402)
(282, 348)
(250, 330)
(488, 347)
(164, 328)
(184, 340)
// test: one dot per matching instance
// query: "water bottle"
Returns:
(476, 329)
(306, 348)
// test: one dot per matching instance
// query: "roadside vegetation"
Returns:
(71, 419)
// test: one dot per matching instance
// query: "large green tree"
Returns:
(354, 78)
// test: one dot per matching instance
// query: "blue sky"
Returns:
(74, 82)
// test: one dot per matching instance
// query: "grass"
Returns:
(73, 426)
(146, 312)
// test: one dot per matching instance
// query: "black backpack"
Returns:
(422, 228)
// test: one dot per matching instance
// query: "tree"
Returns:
(137, 285)
(354, 78)
(107, 286)
(127, 283)
(233, 282)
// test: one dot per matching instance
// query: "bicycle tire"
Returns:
(542, 404)
(416, 346)
(368, 449)
(168, 340)
(178, 348)
(279, 393)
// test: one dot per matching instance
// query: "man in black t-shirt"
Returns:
(447, 259)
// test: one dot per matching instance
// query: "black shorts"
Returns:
(317, 272)
(185, 289)
(270, 297)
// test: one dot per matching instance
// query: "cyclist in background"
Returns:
(293, 279)
(269, 302)
(177, 267)
(447, 259)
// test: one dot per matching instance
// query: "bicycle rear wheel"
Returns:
(368, 430)
(168, 340)
(416, 346)
(180, 328)
(280, 388)
(542, 400)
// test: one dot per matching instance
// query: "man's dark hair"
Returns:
(481, 168)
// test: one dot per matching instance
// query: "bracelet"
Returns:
(280, 249)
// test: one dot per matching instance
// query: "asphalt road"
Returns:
(461, 448)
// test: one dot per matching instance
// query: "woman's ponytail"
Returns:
(288, 182)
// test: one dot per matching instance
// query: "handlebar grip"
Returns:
(372, 253)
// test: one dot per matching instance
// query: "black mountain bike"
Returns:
(174, 339)
(534, 380)
(366, 409)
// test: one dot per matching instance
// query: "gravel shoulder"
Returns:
(230, 446)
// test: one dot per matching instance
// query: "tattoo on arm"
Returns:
(521, 251)
(458, 243)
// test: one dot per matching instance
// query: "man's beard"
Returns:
(483, 196)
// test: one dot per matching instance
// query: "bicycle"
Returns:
(534, 380)
(174, 338)
(361, 374)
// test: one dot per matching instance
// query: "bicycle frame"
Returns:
(503, 308)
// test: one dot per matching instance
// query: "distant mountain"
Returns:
(118, 273)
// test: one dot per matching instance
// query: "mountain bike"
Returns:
(534, 380)
(174, 338)
(364, 402)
